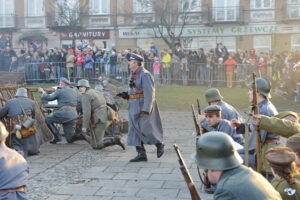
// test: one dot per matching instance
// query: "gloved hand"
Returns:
(123, 95)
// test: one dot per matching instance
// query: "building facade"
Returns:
(240, 24)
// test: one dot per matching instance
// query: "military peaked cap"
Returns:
(280, 156)
(136, 57)
(64, 80)
(212, 108)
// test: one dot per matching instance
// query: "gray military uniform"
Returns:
(31, 144)
(224, 126)
(65, 96)
(13, 173)
(244, 183)
(143, 128)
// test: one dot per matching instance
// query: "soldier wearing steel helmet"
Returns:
(14, 109)
(215, 153)
(13, 170)
(214, 97)
(265, 107)
(96, 115)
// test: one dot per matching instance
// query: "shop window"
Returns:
(262, 43)
(99, 7)
(225, 10)
(34, 8)
(295, 43)
(262, 4)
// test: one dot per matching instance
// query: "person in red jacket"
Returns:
(230, 62)
(78, 60)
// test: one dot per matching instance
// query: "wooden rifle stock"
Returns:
(197, 126)
(199, 109)
(187, 177)
(257, 134)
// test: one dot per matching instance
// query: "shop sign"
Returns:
(85, 34)
(214, 31)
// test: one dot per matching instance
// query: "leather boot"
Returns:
(57, 136)
(142, 156)
(160, 149)
(119, 142)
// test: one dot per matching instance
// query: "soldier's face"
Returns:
(133, 65)
(214, 176)
(82, 89)
(212, 119)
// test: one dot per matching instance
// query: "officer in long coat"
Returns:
(13, 109)
(97, 115)
(215, 153)
(13, 171)
(66, 114)
(143, 115)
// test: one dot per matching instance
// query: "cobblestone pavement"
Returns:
(77, 172)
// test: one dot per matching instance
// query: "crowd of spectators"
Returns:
(179, 66)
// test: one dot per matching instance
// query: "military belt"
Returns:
(70, 107)
(136, 96)
(269, 140)
(98, 108)
(20, 188)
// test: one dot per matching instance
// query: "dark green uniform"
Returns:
(284, 189)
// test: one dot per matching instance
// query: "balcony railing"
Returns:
(293, 11)
(7, 20)
(224, 14)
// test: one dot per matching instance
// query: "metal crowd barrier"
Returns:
(164, 73)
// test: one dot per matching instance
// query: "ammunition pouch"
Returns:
(25, 122)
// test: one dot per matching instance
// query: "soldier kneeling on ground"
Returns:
(97, 115)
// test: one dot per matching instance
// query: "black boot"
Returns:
(119, 142)
(142, 156)
(57, 136)
(160, 149)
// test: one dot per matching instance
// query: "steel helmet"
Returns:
(215, 151)
(21, 92)
(213, 94)
(83, 83)
(263, 86)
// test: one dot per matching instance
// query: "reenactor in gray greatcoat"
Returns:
(13, 171)
(143, 115)
(215, 153)
(66, 114)
(97, 115)
(14, 109)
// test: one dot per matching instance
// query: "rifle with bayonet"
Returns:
(187, 177)
(257, 134)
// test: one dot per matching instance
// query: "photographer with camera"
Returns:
(144, 120)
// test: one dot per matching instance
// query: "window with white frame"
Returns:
(143, 6)
(6, 13)
(99, 7)
(262, 4)
(295, 42)
(225, 10)
(293, 9)
(262, 43)
(34, 8)
(190, 5)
